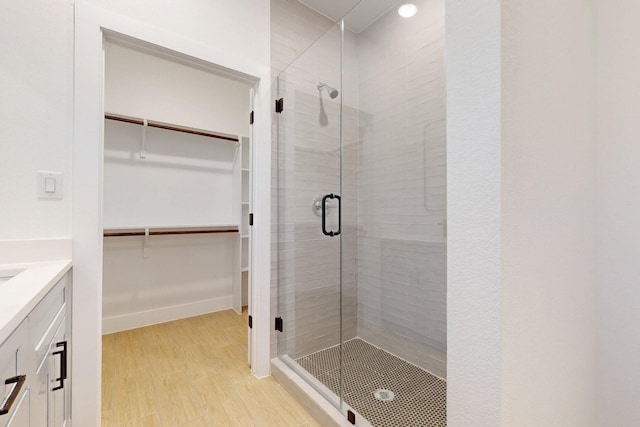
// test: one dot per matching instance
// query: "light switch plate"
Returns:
(49, 185)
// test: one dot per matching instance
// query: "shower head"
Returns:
(332, 91)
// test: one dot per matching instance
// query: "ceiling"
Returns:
(363, 14)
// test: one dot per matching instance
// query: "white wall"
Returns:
(184, 180)
(146, 86)
(548, 214)
(36, 64)
(239, 27)
(472, 43)
(618, 207)
(181, 276)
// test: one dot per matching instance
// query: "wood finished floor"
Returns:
(192, 373)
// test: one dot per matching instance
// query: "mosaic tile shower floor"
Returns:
(420, 397)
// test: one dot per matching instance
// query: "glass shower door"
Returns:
(360, 226)
(309, 210)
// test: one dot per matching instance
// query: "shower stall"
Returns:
(360, 216)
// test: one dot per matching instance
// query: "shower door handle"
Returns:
(324, 215)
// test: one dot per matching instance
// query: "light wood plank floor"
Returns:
(191, 372)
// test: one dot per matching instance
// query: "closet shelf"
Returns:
(169, 126)
(169, 230)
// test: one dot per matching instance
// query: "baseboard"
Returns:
(165, 314)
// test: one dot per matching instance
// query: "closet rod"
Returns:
(164, 233)
(167, 126)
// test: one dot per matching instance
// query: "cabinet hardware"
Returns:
(63, 365)
(279, 105)
(17, 382)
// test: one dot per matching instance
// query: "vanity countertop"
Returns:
(21, 293)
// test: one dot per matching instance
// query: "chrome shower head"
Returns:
(332, 91)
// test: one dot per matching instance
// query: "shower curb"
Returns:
(321, 410)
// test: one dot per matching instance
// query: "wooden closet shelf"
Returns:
(168, 126)
(164, 231)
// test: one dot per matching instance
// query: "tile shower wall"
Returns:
(402, 187)
(294, 27)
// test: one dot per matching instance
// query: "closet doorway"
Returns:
(176, 208)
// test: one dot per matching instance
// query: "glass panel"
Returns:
(308, 165)
(395, 68)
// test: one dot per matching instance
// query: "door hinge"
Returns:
(251, 118)
(251, 219)
(351, 417)
(279, 324)
(250, 321)
(279, 105)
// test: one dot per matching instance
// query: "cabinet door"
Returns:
(20, 416)
(40, 396)
(59, 382)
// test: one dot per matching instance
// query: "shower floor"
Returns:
(420, 397)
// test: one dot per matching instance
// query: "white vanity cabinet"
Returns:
(39, 349)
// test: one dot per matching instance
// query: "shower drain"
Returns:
(384, 395)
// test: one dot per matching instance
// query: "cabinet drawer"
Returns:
(13, 361)
(43, 347)
(42, 317)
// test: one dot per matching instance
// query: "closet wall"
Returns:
(183, 181)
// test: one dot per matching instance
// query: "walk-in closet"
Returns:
(176, 212)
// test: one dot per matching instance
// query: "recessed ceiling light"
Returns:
(407, 10)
